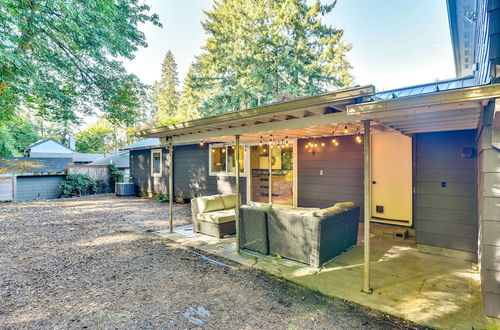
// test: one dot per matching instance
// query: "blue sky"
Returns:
(395, 43)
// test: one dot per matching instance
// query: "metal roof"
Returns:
(28, 165)
(430, 111)
(433, 87)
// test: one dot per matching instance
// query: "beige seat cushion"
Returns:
(261, 206)
(328, 211)
(210, 203)
(219, 217)
(345, 205)
(229, 201)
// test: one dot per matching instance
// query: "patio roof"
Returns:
(437, 106)
(295, 114)
(455, 109)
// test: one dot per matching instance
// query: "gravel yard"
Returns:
(94, 262)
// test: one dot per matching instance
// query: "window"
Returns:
(223, 160)
(156, 163)
(231, 159)
(218, 159)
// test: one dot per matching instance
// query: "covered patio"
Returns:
(432, 290)
(388, 274)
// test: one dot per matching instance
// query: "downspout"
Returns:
(367, 207)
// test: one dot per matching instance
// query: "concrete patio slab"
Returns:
(436, 291)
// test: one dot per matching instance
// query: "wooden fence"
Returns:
(93, 171)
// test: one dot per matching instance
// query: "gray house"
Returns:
(149, 170)
(424, 157)
(50, 148)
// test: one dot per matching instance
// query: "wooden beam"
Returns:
(470, 118)
(437, 124)
(431, 115)
(439, 129)
(421, 110)
(299, 123)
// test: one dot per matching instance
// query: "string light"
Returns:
(201, 143)
(345, 129)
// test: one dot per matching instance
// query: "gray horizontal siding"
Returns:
(140, 170)
(446, 216)
(191, 174)
(342, 178)
(38, 187)
(191, 177)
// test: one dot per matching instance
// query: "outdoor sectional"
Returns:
(214, 215)
(311, 236)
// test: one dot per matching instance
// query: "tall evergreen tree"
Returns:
(166, 92)
(259, 49)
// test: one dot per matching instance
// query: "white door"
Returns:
(6, 189)
(392, 178)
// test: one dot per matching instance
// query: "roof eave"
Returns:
(269, 109)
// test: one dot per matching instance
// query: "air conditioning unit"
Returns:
(124, 189)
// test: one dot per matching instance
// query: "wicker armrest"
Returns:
(253, 229)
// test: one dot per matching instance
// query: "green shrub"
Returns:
(160, 198)
(76, 184)
(115, 175)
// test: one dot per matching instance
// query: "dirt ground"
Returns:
(95, 262)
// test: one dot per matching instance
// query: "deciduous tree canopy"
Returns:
(60, 58)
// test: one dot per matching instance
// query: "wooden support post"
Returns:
(238, 193)
(171, 185)
(367, 206)
(270, 175)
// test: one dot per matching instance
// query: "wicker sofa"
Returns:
(214, 215)
(311, 236)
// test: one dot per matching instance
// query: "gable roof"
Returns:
(119, 159)
(47, 140)
(28, 165)
(144, 144)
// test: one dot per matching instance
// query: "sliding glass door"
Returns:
(271, 174)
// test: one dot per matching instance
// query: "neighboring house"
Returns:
(120, 159)
(50, 148)
(24, 179)
(433, 163)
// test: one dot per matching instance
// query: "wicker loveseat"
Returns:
(214, 215)
(312, 236)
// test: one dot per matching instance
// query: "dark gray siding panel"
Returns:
(342, 178)
(140, 170)
(446, 216)
(191, 174)
(37, 187)
(191, 177)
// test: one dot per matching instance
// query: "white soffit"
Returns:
(440, 111)
(315, 110)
